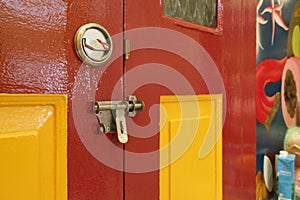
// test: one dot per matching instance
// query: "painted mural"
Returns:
(277, 88)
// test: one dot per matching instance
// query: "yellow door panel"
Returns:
(191, 147)
(33, 147)
(19, 155)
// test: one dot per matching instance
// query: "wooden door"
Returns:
(172, 55)
(38, 56)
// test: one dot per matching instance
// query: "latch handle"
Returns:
(121, 126)
(111, 115)
(95, 44)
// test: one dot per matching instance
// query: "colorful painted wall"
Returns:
(278, 77)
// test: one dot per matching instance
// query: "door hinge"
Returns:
(127, 49)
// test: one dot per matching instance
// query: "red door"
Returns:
(164, 62)
(38, 56)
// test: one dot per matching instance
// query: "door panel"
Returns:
(33, 147)
(187, 122)
(90, 177)
(37, 55)
(231, 46)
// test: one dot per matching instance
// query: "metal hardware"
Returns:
(93, 44)
(127, 49)
(111, 115)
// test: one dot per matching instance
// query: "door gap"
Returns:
(123, 91)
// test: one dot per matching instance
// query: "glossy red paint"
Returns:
(88, 177)
(232, 48)
(38, 56)
(33, 56)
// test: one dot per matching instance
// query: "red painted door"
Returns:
(37, 56)
(175, 57)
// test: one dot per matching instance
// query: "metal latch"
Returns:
(111, 115)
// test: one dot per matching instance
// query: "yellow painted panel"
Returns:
(19, 155)
(191, 147)
(33, 147)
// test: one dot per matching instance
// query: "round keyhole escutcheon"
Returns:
(93, 44)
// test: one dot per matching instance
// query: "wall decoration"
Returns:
(277, 81)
